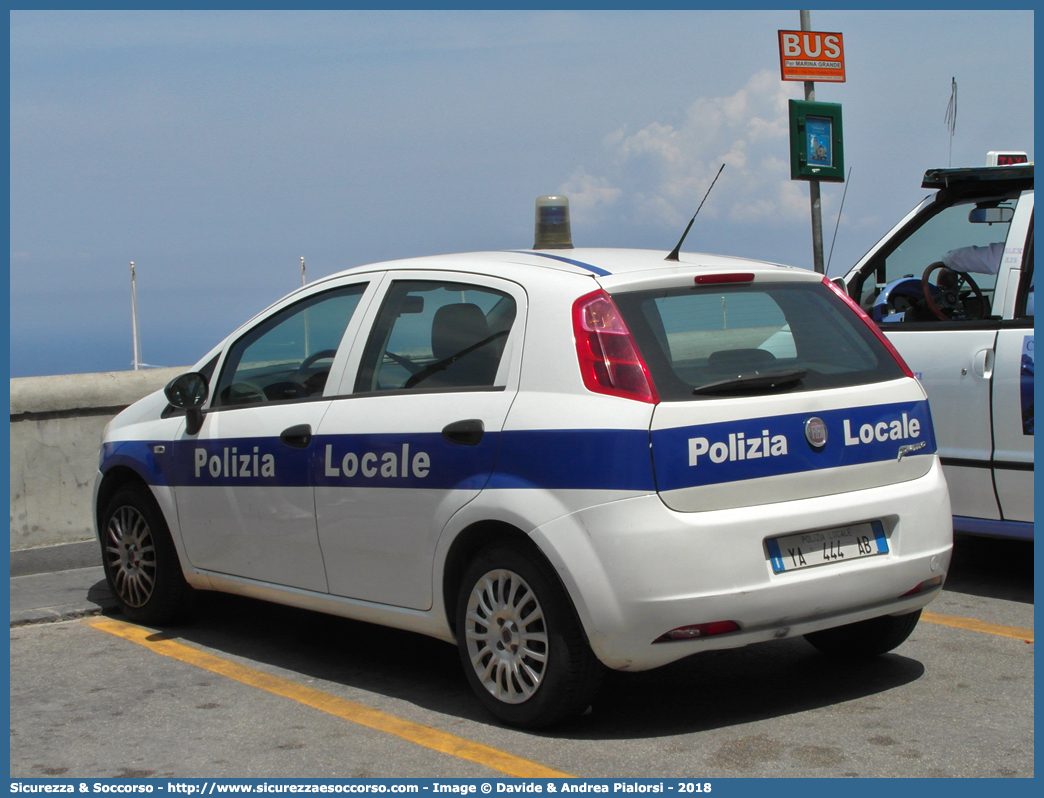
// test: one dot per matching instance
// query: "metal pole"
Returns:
(813, 185)
(307, 331)
(134, 318)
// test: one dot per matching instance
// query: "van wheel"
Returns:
(141, 563)
(521, 644)
(865, 639)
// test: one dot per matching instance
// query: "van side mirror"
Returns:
(991, 215)
(189, 392)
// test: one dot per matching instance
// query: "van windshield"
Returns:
(957, 227)
(702, 343)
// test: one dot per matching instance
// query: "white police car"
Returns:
(952, 287)
(558, 459)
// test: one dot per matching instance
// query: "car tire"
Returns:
(522, 646)
(865, 639)
(141, 563)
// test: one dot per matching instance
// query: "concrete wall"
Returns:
(56, 429)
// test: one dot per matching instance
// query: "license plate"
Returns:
(826, 546)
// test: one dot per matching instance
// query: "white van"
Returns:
(951, 286)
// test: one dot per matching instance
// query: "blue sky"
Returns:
(214, 149)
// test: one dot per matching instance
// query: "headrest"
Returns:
(456, 327)
(741, 361)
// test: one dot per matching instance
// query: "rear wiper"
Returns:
(784, 378)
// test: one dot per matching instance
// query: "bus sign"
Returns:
(811, 55)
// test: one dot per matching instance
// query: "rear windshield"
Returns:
(706, 342)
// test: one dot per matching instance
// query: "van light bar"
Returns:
(935, 581)
(714, 279)
(698, 630)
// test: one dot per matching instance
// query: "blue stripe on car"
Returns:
(595, 459)
(1021, 530)
(581, 264)
(587, 459)
(673, 449)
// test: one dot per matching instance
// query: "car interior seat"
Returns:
(454, 330)
(733, 362)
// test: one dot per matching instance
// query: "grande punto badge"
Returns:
(816, 432)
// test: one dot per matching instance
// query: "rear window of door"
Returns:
(435, 335)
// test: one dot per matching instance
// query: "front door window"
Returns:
(288, 356)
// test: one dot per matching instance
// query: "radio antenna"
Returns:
(951, 117)
(677, 249)
(838, 223)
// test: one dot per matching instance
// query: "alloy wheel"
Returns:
(131, 556)
(506, 636)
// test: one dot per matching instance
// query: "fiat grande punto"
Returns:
(561, 461)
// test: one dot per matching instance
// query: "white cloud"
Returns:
(588, 195)
(783, 200)
(658, 174)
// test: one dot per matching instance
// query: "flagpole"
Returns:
(134, 319)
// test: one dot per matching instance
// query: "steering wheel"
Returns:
(300, 383)
(951, 299)
(243, 393)
(314, 358)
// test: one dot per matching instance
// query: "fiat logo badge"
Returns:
(816, 432)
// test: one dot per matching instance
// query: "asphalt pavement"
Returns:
(956, 699)
(252, 689)
(59, 596)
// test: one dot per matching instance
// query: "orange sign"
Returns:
(811, 55)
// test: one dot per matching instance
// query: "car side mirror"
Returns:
(189, 392)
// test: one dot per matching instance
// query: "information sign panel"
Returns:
(811, 55)
(816, 142)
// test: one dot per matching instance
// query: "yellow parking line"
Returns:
(979, 626)
(324, 702)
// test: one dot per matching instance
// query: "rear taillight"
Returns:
(609, 359)
(869, 323)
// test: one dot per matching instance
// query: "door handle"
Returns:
(298, 436)
(982, 363)
(465, 433)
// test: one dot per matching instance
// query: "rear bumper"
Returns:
(1018, 530)
(643, 569)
